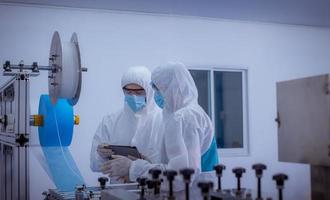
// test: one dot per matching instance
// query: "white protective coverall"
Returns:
(125, 127)
(187, 130)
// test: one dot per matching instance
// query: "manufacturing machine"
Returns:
(150, 188)
(64, 79)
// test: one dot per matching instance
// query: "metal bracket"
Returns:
(22, 140)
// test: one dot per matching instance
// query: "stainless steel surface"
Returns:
(304, 113)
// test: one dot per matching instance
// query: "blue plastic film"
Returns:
(55, 132)
(55, 136)
(64, 171)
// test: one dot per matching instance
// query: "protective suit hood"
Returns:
(141, 76)
(176, 85)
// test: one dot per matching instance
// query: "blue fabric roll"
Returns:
(55, 132)
(55, 136)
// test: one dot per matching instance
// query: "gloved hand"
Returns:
(142, 157)
(105, 153)
(118, 166)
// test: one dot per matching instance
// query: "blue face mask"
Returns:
(159, 99)
(136, 103)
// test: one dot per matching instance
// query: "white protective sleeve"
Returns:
(182, 148)
(101, 136)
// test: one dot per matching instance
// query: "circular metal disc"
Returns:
(55, 76)
(74, 41)
(55, 61)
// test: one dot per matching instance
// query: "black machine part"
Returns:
(170, 174)
(259, 169)
(155, 173)
(142, 183)
(280, 179)
(205, 187)
(238, 171)
(103, 181)
(218, 170)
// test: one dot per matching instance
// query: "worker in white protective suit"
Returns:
(188, 137)
(134, 125)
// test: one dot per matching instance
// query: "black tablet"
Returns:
(124, 150)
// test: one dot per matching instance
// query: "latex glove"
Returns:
(118, 166)
(146, 158)
(105, 153)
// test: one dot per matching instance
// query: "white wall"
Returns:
(111, 42)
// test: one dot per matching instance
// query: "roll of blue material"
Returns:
(55, 136)
(58, 123)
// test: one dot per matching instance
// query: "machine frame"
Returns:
(14, 138)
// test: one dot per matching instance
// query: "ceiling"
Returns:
(297, 12)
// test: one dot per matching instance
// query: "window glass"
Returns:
(202, 81)
(228, 109)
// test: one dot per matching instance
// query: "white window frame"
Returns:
(231, 152)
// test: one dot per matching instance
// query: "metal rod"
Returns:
(171, 189)
(280, 194)
(31, 67)
(238, 184)
(259, 188)
(187, 190)
(219, 183)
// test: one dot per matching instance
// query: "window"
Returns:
(222, 94)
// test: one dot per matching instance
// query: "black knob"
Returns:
(142, 181)
(103, 181)
(187, 173)
(280, 179)
(170, 174)
(6, 66)
(238, 171)
(219, 169)
(155, 173)
(259, 169)
(205, 188)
